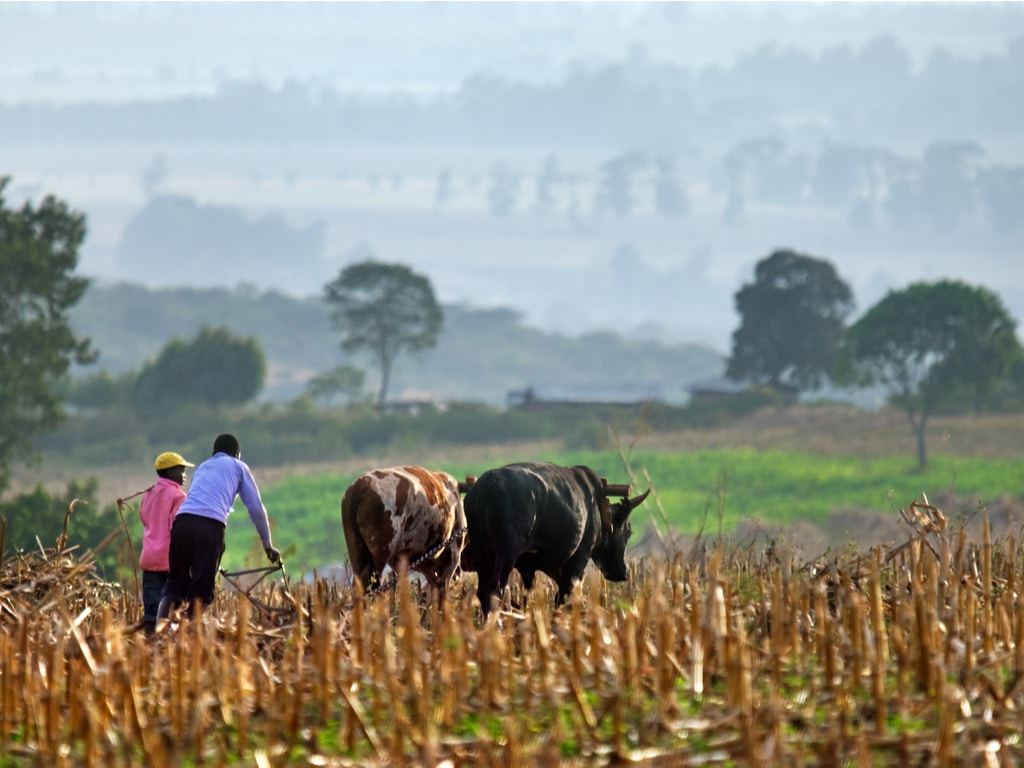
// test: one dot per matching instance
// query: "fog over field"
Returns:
(593, 165)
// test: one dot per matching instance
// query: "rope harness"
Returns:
(392, 578)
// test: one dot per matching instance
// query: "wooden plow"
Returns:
(269, 605)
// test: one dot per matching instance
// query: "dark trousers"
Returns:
(197, 544)
(152, 590)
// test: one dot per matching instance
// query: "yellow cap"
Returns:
(171, 459)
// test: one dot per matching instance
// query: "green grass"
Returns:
(776, 487)
(784, 487)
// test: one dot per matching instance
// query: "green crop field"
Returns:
(774, 487)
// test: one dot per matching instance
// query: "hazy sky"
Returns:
(111, 52)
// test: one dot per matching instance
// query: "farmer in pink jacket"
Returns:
(157, 511)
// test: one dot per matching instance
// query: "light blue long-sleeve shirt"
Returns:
(214, 486)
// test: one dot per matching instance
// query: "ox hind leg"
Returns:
(363, 568)
(492, 583)
(528, 567)
(360, 557)
(494, 567)
(358, 553)
(356, 509)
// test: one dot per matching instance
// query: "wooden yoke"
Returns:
(610, 489)
(615, 489)
(606, 506)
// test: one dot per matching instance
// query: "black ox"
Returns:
(537, 516)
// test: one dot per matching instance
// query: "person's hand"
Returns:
(273, 554)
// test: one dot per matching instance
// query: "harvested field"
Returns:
(717, 655)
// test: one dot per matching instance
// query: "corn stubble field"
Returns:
(719, 655)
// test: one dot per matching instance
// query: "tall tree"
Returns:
(670, 199)
(1002, 195)
(837, 177)
(445, 190)
(792, 319)
(751, 168)
(38, 257)
(548, 180)
(503, 192)
(385, 310)
(933, 346)
(215, 368)
(949, 180)
(615, 189)
(154, 175)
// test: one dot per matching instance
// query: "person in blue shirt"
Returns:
(197, 536)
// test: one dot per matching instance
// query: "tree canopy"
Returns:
(38, 257)
(792, 321)
(344, 381)
(385, 310)
(215, 368)
(934, 346)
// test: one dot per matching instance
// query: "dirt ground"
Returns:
(837, 430)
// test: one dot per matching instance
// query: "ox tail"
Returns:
(359, 555)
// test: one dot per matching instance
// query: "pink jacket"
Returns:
(157, 511)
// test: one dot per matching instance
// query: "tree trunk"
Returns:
(382, 393)
(922, 449)
(918, 424)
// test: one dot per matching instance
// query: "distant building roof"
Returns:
(532, 397)
(718, 385)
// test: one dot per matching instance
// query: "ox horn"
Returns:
(636, 501)
(627, 505)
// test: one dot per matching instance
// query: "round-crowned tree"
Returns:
(934, 346)
(792, 322)
(215, 368)
(384, 310)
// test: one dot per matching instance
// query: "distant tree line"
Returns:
(871, 92)
(950, 188)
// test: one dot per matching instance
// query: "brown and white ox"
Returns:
(408, 514)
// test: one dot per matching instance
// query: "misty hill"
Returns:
(482, 354)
